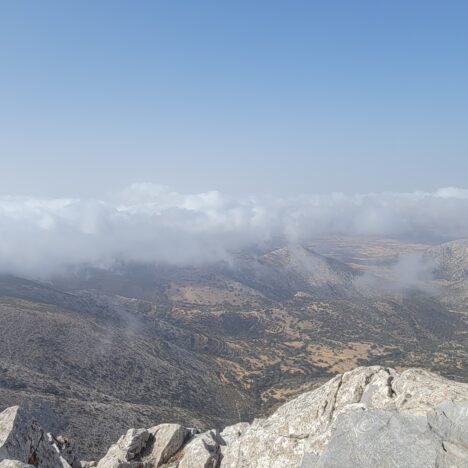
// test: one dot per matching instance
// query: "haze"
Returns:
(151, 223)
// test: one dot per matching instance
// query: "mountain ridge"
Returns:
(370, 416)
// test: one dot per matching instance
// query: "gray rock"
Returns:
(201, 452)
(127, 448)
(166, 440)
(419, 391)
(24, 440)
(65, 448)
(367, 439)
(300, 431)
(231, 434)
(145, 448)
(368, 417)
(450, 422)
(14, 464)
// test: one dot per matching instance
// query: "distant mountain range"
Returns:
(96, 351)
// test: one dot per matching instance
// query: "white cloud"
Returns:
(147, 222)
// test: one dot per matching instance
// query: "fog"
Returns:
(150, 223)
(410, 272)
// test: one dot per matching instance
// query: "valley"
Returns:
(96, 350)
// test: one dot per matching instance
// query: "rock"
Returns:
(367, 439)
(419, 391)
(450, 422)
(231, 434)
(370, 416)
(145, 447)
(300, 432)
(88, 464)
(127, 448)
(65, 449)
(202, 451)
(24, 440)
(167, 439)
(14, 464)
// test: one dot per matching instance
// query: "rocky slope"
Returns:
(96, 351)
(367, 417)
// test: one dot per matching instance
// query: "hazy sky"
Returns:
(245, 97)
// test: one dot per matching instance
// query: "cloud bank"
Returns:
(147, 222)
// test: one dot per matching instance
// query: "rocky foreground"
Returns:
(368, 417)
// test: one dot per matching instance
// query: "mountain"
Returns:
(367, 417)
(226, 341)
(76, 359)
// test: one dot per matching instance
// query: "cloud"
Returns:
(148, 222)
(411, 271)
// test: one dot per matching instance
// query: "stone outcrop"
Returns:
(303, 428)
(371, 416)
(146, 447)
(24, 440)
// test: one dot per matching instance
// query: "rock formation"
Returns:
(25, 441)
(368, 417)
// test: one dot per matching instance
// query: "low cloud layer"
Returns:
(412, 271)
(147, 222)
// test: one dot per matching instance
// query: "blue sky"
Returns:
(278, 97)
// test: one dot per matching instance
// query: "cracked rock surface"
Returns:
(311, 430)
(23, 440)
(368, 417)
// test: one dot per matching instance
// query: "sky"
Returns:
(180, 131)
(264, 98)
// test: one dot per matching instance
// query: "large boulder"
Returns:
(127, 449)
(148, 448)
(166, 440)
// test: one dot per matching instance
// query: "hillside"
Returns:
(223, 342)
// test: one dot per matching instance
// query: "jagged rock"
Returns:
(65, 448)
(203, 451)
(371, 416)
(167, 439)
(88, 464)
(145, 447)
(127, 448)
(24, 440)
(356, 419)
(300, 431)
(419, 391)
(14, 464)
